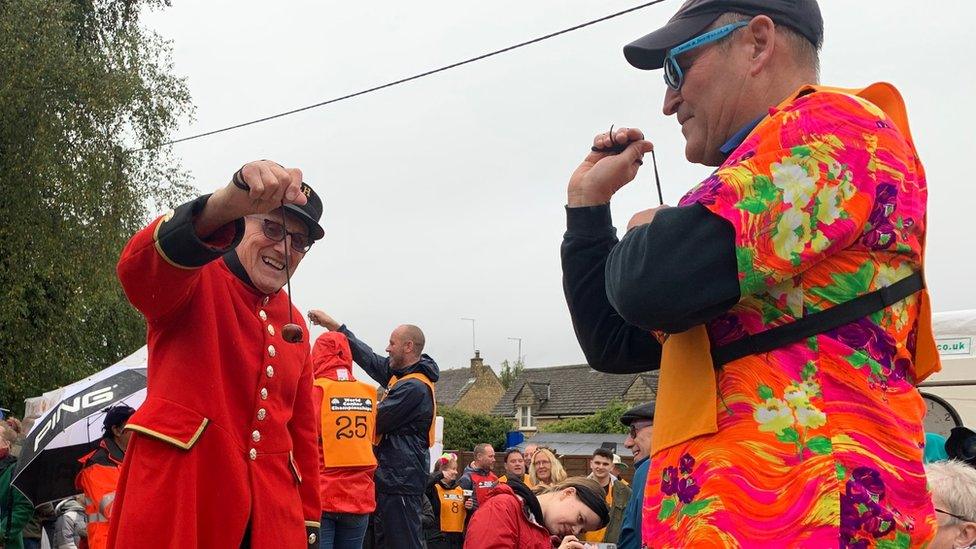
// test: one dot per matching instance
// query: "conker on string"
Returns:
(292, 333)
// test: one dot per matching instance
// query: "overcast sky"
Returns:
(444, 196)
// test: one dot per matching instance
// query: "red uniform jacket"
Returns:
(502, 522)
(225, 443)
(343, 489)
(98, 478)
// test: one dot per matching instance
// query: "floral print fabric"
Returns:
(819, 442)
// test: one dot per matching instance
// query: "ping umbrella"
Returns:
(48, 461)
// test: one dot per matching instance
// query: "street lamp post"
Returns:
(519, 360)
(474, 346)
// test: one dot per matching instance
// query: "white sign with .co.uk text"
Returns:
(954, 346)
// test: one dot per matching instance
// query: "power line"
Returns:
(402, 80)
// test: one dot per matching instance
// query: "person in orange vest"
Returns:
(99, 474)
(514, 461)
(447, 500)
(404, 428)
(347, 412)
(616, 492)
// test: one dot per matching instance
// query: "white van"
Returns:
(950, 395)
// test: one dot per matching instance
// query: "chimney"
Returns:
(477, 364)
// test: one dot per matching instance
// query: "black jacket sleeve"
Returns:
(431, 492)
(376, 366)
(608, 341)
(676, 272)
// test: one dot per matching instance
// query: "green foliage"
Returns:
(82, 82)
(510, 372)
(462, 430)
(606, 420)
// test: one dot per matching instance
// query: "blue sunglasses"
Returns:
(673, 76)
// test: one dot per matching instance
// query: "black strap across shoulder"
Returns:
(818, 323)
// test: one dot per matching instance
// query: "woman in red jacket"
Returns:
(347, 412)
(514, 517)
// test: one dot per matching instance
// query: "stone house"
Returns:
(473, 389)
(544, 395)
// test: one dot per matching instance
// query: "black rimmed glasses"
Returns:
(637, 426)
(275, 231)
(953, 515)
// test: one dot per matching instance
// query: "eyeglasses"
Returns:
(300, 242)
(637, 426)
(673, 76)
(953, 515)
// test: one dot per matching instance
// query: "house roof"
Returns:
(575, 444)
(452, 385)
(573, 390)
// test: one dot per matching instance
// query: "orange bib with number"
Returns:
(348, 423)
(422, 378)
(452, 508)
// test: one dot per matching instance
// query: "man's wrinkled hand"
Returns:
(603, 172)
(260, 187)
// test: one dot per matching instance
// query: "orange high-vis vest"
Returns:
(348, 423)
(422, 378)
(598, 535)
(453, 512)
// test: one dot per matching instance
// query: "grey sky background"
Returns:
(444, 196)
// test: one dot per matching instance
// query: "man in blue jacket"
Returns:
(404, 424)
(640, 420)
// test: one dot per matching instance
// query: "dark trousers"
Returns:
(343, 531)
(397, 521)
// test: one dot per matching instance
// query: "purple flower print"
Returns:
(864, 335)
(879, 524)
(861, 509)
(704, 193)
(899, 370)
(686, 463)
(912, 340)
(867, 479)
(855, 335)
(687, 489)
(669, 481)
(725, 329)
(881, 236)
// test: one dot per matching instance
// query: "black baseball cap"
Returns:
(310, 213)
(116, 416)
(694, 16)
(643, 412)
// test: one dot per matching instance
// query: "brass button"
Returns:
(269, 371)
(256, 436)
(311, 539)
(270, 331)
(263, 315)
(264, 393)
(262, 413)
(253, 454)
(271, 351)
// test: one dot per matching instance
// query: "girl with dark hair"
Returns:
(515, 517)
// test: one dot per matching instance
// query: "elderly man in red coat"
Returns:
(224, 451)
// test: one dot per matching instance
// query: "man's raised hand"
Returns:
(606, 169)
(321, 318)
